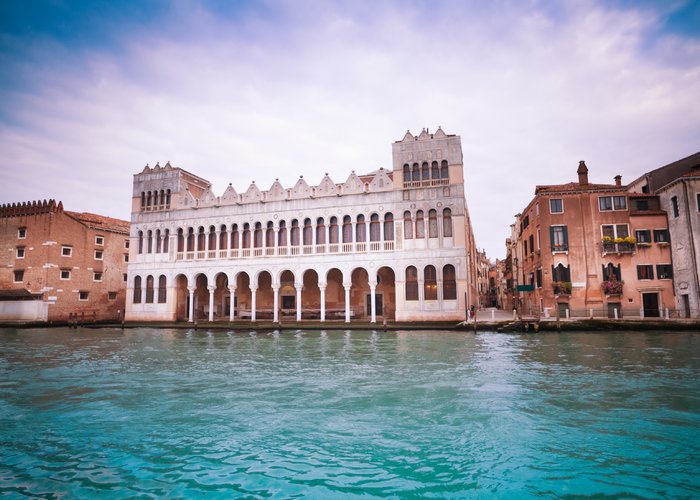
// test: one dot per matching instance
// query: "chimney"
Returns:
(618, 180)
(582, 173)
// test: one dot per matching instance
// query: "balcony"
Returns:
(612, 287)
(560, 247)
(619, 245)
(561, 287)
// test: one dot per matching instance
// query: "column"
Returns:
(372, 294)
(275, 304)
(323, 301)
(217, 243)
(327, 234)
(232, 291)
(211, 302)
(229, 236)
(252, 303)
(347, 302)
(298, 287)
(353, 235)
(367, 224)
(206, 244)
(276, 230)
(190, 313)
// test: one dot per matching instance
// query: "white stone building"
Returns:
(393, 245)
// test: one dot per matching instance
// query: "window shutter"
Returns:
(554, 274)
(639, 272)
(566, 235)
(618, 273)
(551, 237)
(568, 273)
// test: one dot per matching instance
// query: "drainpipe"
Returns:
(692, 244)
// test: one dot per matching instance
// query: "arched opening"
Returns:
(444, 170)
(310, 296)
(182, 298)
(190, 239)
(288, 295)
(258, 235)
(282, 236)
(449, 283)
(388, 226)
(385, 296)
(167, 199)
(308, 231)
(243, 302)
(320, 231)
(137, 290)
(415, 173)
(270, 236)
(180, 240)
(143, 199)
(407, 225)
(235, 238)
(162, 290)
(223, 239)
(246, 236)
(435, 171)
(374, 228)
(166, 241)
(411, 283)
(360, 234)
(429, 283)
(264, 297)
(420, 225)
(158, 241)
(295, 236)
(359, 292)
(425, 172)
(406, 173)
(201, 297)
(335, 295)
(212, 241)
(333, 235)
(347, 229)
(432, 224)
(149, 241)
(149, 289)
(201, 241)
(447, 223)
(222, 297)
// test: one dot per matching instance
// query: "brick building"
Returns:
(592, 249)
(56, 263)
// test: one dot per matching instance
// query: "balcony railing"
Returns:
(560, 247)
(612, 247)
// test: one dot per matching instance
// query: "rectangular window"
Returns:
(643, 236)
(19, 252)
(537, 209)
(674, 206)
(613, 232)
(96, 276)
(126, 243)
(697, 201)
(642, 205)
(126, 257)
(98, 254)
(605, 203)
(556, 206)
(65, 274)
(18, 276)
(664, 271)
(526, 221)
(559, 238)
(619, 203)
(125, 277)
(82, 295)
(22, 233)
(539, 278)
(112, 295)
(66, 251)
(99, 240)
(645, 272)
(661, 236)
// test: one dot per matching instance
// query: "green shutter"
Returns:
(566, 235)
(551, 237)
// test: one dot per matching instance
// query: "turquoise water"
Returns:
(152, 413)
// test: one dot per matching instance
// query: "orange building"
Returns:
(56, 265)
(585, 249)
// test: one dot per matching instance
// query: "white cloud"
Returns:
(327, 89)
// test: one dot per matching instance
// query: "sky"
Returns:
(92, 91)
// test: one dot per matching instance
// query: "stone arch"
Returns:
(310, 295)
(335, 294)
(243, 302)
(264, 295)
(287, 292)
(386, 288)
(358, 292)
(181, 297)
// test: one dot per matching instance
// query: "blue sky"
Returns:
(239, 91)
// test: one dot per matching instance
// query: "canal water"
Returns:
(338, 414)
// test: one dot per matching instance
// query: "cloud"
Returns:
(277, 90)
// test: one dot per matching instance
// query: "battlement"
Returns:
(30, 208)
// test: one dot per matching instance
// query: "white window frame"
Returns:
(102, 254)
(100, 241)
(614, 226)
(60, 275)
(23, 250)
(21, 233)
(95, 276)
(612, 203)
(87, 295)
(562, 206)
(70, 251)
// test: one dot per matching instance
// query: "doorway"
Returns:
(686, 306)
(650, 303)
(379, 304)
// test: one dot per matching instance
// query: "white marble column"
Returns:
(347, 302)
(373, 304)
(190, 313)
(322, 288)
(275, 304)
(253, 296)
(232, 291)
(298, 287)
(211, 302)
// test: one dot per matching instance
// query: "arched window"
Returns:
(143, 199)
(235, 237)
(420, 224)
(246, 235)
(190, 239)
(162, 291)
(149, 290)
(180, 240)
(212, 238)
(167, 199)
(162, 197)
(447, 223)
(333, 230)
(347, 229)
(158, 241)
(406, 173)
(432, 224)
(140, 242)
(308, 232)
(149, 241)
(258, 235)
(320, 231)
(137, 290)
(155, 198)
(425, 171)
(407, 225)
(201, 239)
(374, 228)
(295, 233)
(270, 235)
(415, 173)
(388, 226)
(561, 273)
(282, 235)
(449, 283)
(411, 283)
(360, 234)
(444, 170)
(223, 237)
(166, 241)
(430, 283)
(435, 170)
(148, 199)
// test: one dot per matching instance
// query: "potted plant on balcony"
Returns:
(561, 287)
(612, 287)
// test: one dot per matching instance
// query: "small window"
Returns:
(643, 236)
(22, 233)
(605, 203)
(537, 209)
(98, 254)
(112, 295)
(99, 240)
(697, 201)
(126, 243)
(96, 276)
(526, 222)
(556, 206)
(125, 277)
(18, 275)
(664, 271)
(126, 257)
(674, 206)
(661, 236)
(642, 205)
(66, 251)
(619, 203)
(83, 295)
(65, 274)
(19, 252)
(645, 272)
